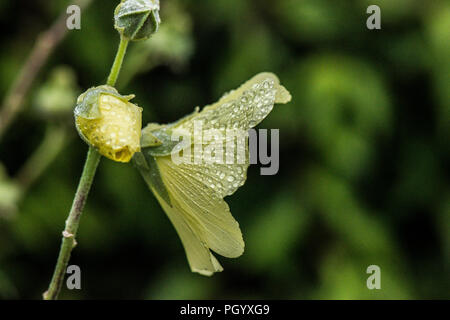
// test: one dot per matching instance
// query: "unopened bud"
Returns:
(137, 19)
(107, 121)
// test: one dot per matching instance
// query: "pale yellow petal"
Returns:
(197, 252)
(201, 216)
(204, 207)
(242, 108)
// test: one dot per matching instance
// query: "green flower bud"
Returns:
(137, 19)
(107, 121)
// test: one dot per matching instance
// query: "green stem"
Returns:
(115, 69)
(72, 222)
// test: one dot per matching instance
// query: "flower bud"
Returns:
(137, 19)
(107, 121)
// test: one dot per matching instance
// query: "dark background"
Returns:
(363, 150)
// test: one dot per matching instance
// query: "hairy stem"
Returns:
(115, 69)
(72, 222)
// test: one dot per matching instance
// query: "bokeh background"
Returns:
(364, 150)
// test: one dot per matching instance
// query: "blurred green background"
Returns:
(364, 152)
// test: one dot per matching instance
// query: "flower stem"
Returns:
(115, 69)
(72, 222)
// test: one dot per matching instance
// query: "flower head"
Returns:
(192, 194)
(109, 122)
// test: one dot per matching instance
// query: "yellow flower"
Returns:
(109, 122)
(192, 195)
